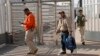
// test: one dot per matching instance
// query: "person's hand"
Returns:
(21, 22)
(58, 31)
(31, 29)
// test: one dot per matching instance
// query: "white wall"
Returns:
(8, 17)
(2, 16)
(5, 17)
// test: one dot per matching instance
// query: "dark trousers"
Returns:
(64, 35)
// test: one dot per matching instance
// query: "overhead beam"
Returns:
(23, 1)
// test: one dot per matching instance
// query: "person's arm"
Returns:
(30, 22)
(76, 19)
(76, 22)
(84, 18)
(58, 27)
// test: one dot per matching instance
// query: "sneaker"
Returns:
(71, 51)
(63, 53)
(83, 43)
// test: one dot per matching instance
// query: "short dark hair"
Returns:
(26, 9)
(80, 10)
(62, 12)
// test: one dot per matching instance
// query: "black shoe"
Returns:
(72, 51)
(33, 52)
(63, 53)
(83, 43)
(30, 53)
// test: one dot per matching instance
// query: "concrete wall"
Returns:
(5, 19)
(2, 21)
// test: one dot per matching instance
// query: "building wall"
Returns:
(5, 19)
(2, 21)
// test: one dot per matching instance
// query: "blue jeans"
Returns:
(64, 35)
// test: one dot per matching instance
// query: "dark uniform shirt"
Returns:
(81, 21)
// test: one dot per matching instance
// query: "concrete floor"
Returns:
(90, 49)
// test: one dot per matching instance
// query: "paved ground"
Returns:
(91, 49)
(50, 49)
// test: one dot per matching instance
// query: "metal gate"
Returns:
(50, 17)
(18, 16)
(48, 21)
(91, 10)
(48, 11)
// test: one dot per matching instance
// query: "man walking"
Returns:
(29, 25)
(81, 24)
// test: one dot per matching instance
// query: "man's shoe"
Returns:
(71, 51)
(83, 43)
(35, 51)
(30, 53)
(63, 53)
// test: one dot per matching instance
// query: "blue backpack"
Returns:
(70, 43)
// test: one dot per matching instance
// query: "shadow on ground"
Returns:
(90, 46)
(6, 48)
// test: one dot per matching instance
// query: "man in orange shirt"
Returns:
(29, 25)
